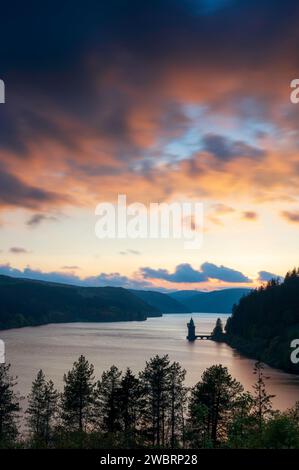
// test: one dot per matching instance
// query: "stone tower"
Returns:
(191, 330)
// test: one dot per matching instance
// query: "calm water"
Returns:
(54, 348)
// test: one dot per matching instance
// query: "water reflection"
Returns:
(55, 347)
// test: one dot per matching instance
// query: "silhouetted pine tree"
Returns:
(130, 403)
(177, 401)
(9, 406)
(212, 401)
(108, 400)
(217, 334)
(156, 386)
(42, 408)
(149, 411)
(78, 396)
(262, 400)
(242, 422)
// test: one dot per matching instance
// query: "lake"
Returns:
(54, 348)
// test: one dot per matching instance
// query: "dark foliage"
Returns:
(150, 410)
(264, 323)
(9, 407)
(28, 303)
(218, 333)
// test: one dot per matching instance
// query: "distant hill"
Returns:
(266, 321)
(216, 301)
(163, 302)
(183, 295)
(25, 302)
(221, 301)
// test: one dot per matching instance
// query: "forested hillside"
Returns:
(218, 301)
(264, 323)
(24, 302)
(163, 302)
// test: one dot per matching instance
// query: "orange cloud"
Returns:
(291, 216)
(250, 215)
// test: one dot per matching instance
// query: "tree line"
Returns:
(26, 302)
(265, 321)
(152, 409)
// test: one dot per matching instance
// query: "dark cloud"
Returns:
(29, 273)
(104, 56)
(21, 125)
(115, 77)
(184, 273)
(37, 219)
(18, 250)
(141, 28)
(103, 279)
(265, 276)
(14, 192)
(223, 273)
(226, 149)
(117, 280)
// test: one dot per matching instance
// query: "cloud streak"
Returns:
(15, 192)
(17, 250)
(37, 219)
(143, 279)
(63, 277)
(266, 276)
(225, 149)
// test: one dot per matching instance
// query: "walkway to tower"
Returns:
(192, 336)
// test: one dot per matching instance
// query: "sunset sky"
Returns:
(171, 100)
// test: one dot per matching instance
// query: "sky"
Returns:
(163, 101)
